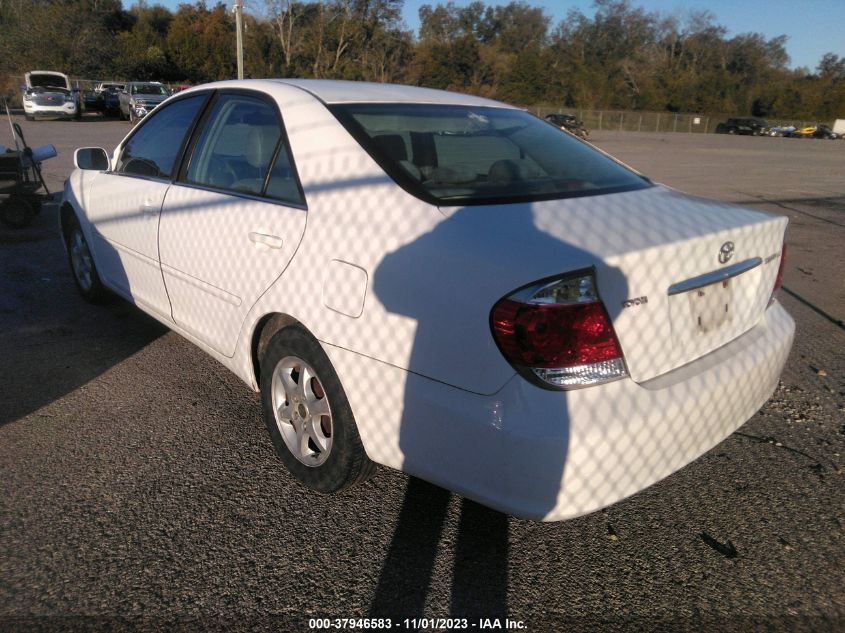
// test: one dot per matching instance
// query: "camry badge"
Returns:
(726, 252)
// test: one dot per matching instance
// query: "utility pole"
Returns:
(239, 27)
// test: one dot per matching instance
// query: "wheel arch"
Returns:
(265, 328)
(66, 215)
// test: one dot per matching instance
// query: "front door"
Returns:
(125, 205)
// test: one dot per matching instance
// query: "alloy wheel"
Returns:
(302, 411)
(80, 258)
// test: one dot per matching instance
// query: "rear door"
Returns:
(232, 222)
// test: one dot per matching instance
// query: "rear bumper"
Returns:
(552, 455)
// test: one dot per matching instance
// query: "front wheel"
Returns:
(308, 416)
(82, 266)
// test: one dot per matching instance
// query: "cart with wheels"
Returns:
(21, 180)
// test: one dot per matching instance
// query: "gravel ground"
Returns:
(140, 490)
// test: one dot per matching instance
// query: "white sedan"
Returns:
(439, 283)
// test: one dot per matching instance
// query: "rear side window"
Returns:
(153, 149)
(457, 155)
(283, 184)
(237, 145)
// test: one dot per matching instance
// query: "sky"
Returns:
(813, 27)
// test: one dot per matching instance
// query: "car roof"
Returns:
(336, 91)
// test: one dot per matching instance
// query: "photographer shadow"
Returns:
(423, 280)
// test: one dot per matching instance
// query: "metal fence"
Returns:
(633, 121)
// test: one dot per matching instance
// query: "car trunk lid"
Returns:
(680, 276)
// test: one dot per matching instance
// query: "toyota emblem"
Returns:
(726, 252)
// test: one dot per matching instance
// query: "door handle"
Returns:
(271, 241)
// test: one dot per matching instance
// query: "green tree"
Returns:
(201, 43)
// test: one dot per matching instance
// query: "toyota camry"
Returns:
(439, 283)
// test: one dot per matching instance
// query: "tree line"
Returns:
(622, 57)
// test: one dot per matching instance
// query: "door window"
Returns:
(235, 149)
(153, 149)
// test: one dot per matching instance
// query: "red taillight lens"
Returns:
(559, 333)
(779, 278)
(547, 336)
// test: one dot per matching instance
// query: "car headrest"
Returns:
(260, 142)
(393, 145)
(505, 171)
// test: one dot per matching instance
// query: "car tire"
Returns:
(29, 117)
(16, 212)
(132, 118)
(308, 415)
(82, 265)
(731, 131)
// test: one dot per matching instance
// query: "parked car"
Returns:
(782, 130)
(805, 132)
(569, 123)
(108, 97)
(439, 283)
(824, 131)
(48, 94)
(139, 98)
(751, 126)
(111, 100)
(92, 101)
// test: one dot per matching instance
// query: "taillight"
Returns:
(779, 277)
(558, 333)
(781, 266)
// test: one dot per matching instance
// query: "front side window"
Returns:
(153, 149)
(237, 145)
(456, 155)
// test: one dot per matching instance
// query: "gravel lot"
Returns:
(140, 489)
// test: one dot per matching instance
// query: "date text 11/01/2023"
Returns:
(416, 624)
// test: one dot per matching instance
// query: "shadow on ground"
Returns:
(53, 342)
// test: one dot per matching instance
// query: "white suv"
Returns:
(49, 94)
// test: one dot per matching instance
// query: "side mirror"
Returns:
(94, 158)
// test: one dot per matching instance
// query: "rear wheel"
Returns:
(308, 416)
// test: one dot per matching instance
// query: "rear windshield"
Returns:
(456, 155)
